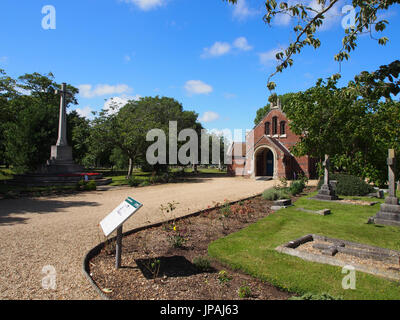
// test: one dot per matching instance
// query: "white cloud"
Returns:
(266, 58)
(222, 48)
(209, 116)
(282, 19)
(23, 91)
(86, 112)
(3, 59)
(242, 11)
(217, 49)
(146, 5)
(242, 44)
(114, 104)
(88, 91)
(197, 87)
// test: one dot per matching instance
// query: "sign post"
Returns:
(118, 248)
(115, 220)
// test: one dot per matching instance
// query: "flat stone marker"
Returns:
(281, 204)
(322, 212)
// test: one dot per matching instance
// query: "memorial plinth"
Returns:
(61, 161)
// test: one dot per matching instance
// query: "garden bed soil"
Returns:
(154, 269)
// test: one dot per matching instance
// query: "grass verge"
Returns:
(252, 249)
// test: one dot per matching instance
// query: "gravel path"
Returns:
(58, 231)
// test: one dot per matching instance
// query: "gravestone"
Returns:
(326, 192)
(390, 209)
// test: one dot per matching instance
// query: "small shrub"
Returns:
(202, 263)
(91, 185)
(133, 182)
(244, 292)
(86, 185)
(348, 185)
(153, 266)
(225, 210)
(270, 194)
(177, 240)
(297, 187)
(276, 194)
(224, 277)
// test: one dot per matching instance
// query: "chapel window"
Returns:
(283, 128)
(267, 128)
(275, 125)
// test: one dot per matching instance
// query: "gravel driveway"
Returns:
(58, 231)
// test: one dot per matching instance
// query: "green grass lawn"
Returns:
(252, 249)
(118, 177)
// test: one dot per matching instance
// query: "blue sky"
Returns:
(211, 56)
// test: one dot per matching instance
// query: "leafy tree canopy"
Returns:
(28, 119)
(353, 124)
(310, 18)
(127, 129)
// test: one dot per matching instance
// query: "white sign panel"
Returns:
(119, 215)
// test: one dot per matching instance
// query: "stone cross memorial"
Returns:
(61, 160)
(390, 210)
(326, 192)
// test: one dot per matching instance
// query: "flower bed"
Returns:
(170, 261)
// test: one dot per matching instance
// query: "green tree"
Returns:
(31, 121)
(352, 124)
(127, 128)
(78, 135)
(261, 113)
(7, 92)
(308, 19)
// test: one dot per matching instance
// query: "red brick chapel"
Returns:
(266, 152)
